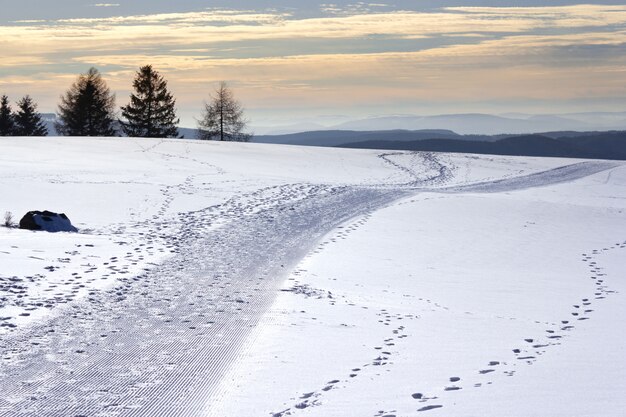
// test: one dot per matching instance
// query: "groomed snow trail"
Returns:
(158, 344)
(540, 179)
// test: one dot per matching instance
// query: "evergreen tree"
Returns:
(223, 118)
(87, 108)
(27, 120)
(151, 112)
(7, 124)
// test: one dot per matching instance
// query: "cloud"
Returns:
(453, 53)
(352, 8)
(500, 31)
(22, 61)
(215, 26)
(194, 18)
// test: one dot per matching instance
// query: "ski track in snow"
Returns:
(172, 330)
(423, 168)
(158, 343)
(558, 175)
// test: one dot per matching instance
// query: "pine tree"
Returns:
(223, 118)
(7, 124)
(27, 120)
(151, 111)
(87, 108)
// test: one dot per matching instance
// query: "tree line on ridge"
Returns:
(88, 109)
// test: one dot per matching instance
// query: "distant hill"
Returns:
(611, 145)
(603, 145)
(340, 137)
(487, 124)
(473, 123)
(464, 124)
(554, 143)
(50, 118)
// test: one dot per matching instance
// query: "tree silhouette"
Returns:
(223, 118)
(151, 111)
(27, 120)
(87, 108)
(7, 124)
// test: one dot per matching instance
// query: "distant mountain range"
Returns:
(568, 144)
(604, 145)
(462, 124)
(473, 123)
(573, 142)
(342, 137)
(470, 124)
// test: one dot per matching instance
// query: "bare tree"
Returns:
(223, 118)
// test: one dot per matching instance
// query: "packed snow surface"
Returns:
(221, 279)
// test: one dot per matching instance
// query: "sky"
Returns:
(296, 61)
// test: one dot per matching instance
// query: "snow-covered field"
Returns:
(221, 279)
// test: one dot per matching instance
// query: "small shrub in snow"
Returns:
(8, 219)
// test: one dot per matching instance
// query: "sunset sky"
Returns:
(323, 62)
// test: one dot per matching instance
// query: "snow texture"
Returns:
(260, 280)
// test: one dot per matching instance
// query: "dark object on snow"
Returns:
(47, 221)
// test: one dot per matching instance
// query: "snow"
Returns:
(447, 284)
(248, 279)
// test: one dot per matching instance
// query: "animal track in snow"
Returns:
(554, 335)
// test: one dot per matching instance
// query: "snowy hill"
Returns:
(252, 279)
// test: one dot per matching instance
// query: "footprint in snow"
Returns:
(429, 407)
